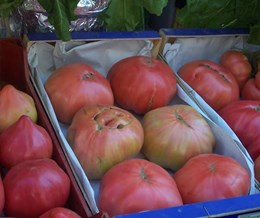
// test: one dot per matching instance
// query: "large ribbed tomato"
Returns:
(257, 168)
(136, 185)
(2, 195)
(59, 212)
(250, 90)
(208, 177)
(34, 186)
(142, 83)
(13, 104)
(213, 82)
(103, 136)
(24, 140)
(72, 86)
(173, 134)
(243, 117)
(238, 64)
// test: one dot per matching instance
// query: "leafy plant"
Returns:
(128, 15)
(60, 13)
(121, 15)
(222, 14)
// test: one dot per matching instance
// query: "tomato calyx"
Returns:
(148, 61)
(88, 76)
(115, 120)
(212, 167)
(144, 176)
(180, 118)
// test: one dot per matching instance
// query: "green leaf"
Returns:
(219, 14)
(128, 15)
(60, 14)
(154, 6)
(254, 36)
(123, 15)
(7, 6)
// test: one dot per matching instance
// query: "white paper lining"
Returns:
(44, 58)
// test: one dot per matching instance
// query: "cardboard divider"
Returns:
(14, 70)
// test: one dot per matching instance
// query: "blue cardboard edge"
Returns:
(229, 207)
(188, 32)
(81, 35)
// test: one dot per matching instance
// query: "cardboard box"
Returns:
(45, 54)
(14, 70)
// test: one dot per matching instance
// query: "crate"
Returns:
(14, 70)
(47, 43)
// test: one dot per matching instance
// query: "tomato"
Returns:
(243, 117)
(13, 104)
(257, 168)
(257, 78)
(59, 212)
(142, 83)
(238, 64)
(136, 185)
(2, 195)
(213, 82)
(34, 186)
(103, 136)
(72, 86)
(173, 134)
(24, 140)
(207, 177)
(250, 91)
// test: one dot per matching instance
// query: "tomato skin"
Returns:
(257, 168)
(250, 91)
(13, 104)
(257, 78)
(35, 186)
(173, 134)
(238, 64)
(103, 136)
(72, 86)
(213, 82)
(59, 212)
(27, 139)
(208, 177)
(136, 185)
(243, 117)
(142, 83)
(2, 195)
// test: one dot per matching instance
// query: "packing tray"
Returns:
(47, 53)
(14, 70)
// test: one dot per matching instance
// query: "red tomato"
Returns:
(103, 136)
(13, 104)
(238, 64)
(2, 195)
(250, 91)
(136, 185)
(243, 117)
(257, 168)
(174, 134)
(24, 140)
(141, 83)
(213, 82)
(34, 186)
(257, 79)
(207, 177)
(72, 86)
(59, 212)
